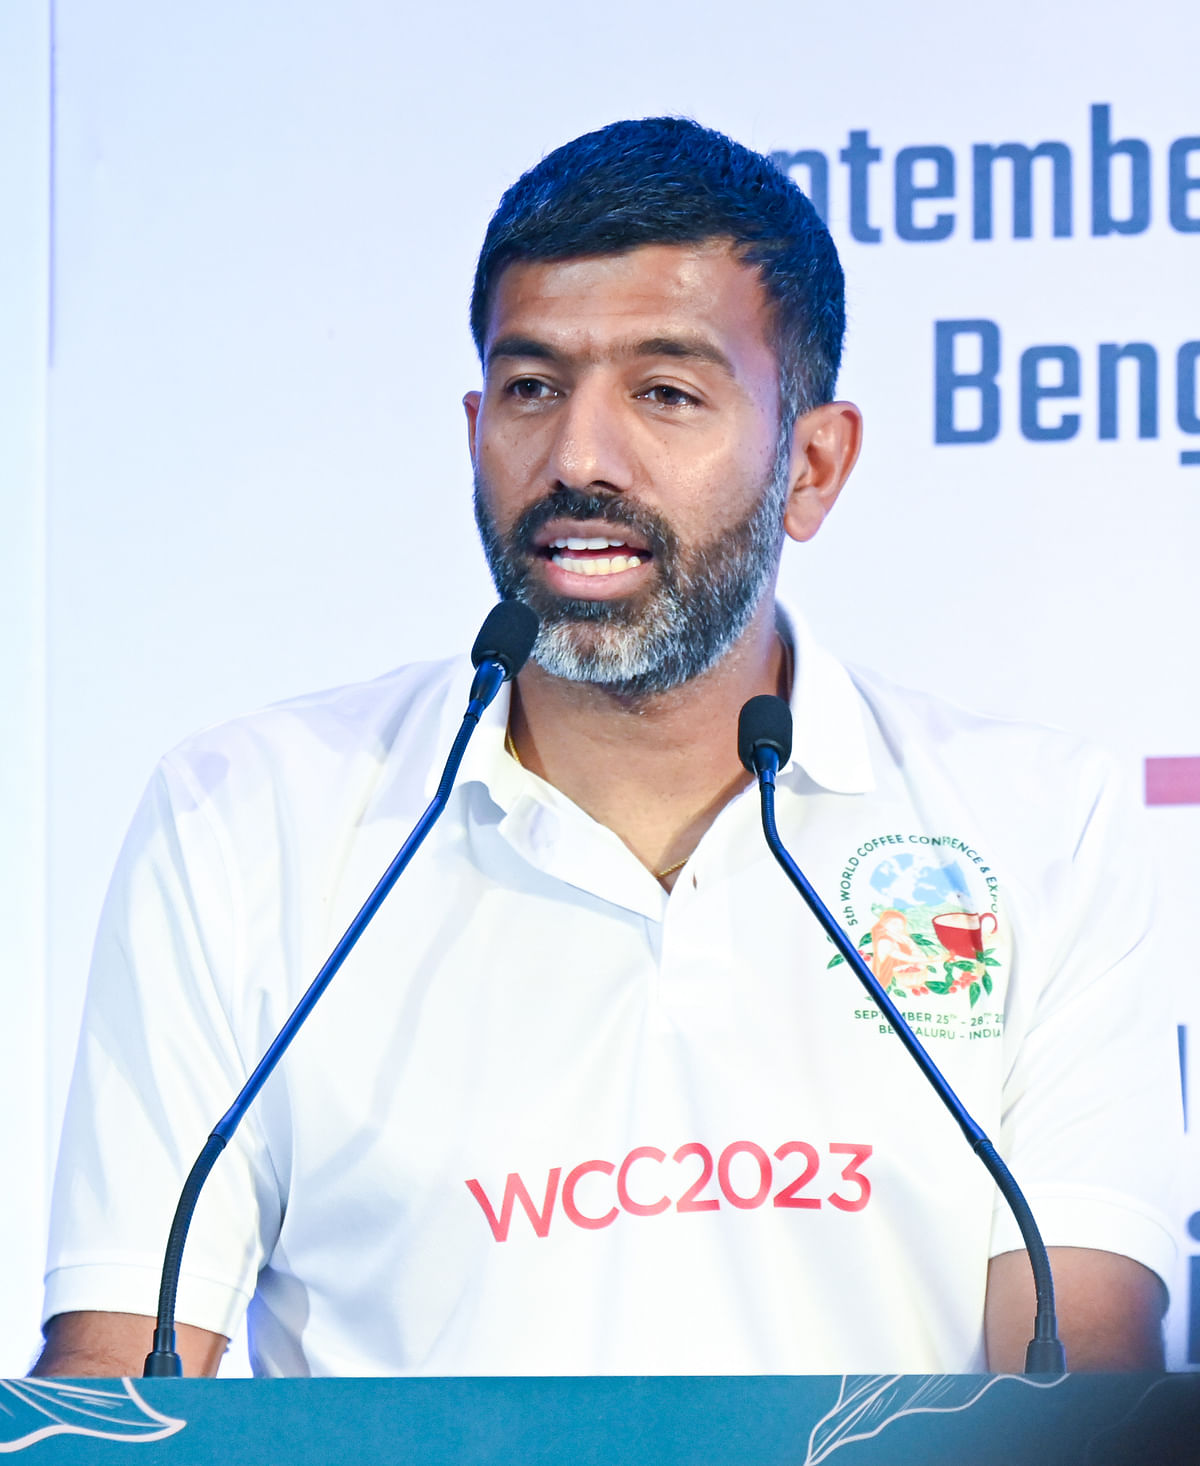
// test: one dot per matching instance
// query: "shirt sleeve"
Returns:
(1092, 1112)
(158, 1064)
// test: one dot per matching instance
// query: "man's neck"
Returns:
(656, 770)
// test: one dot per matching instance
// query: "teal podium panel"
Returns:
(771, 1420)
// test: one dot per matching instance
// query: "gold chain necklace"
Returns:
(511, 749)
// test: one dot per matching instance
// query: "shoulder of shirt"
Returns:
(909, 719)
(404, 706)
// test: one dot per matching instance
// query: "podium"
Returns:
(763, 1420)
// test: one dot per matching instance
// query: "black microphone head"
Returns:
(765, 722)
(506, 636)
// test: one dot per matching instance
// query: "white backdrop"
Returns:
(24, 301)
(265, 220)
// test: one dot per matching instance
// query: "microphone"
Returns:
(501, 648)
(764, 745)
(765, 727)
(506, 636)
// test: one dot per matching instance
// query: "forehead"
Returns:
(596, 304)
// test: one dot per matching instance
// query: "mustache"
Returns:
(611, 508)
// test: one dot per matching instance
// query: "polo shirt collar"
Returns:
(485, 760)
(829, 736)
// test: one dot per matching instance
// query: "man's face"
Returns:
(629, 480)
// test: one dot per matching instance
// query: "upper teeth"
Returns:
(593, 544)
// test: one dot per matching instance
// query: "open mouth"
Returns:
(594, 555)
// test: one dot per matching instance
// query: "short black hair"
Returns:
(667, 180)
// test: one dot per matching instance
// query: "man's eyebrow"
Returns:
(684, 348)
(526, 346)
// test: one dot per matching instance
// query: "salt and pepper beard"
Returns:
(700, 604)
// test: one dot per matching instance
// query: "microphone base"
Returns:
(1045, 1356)
(162, 1366)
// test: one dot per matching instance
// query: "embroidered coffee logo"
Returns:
(924, 912)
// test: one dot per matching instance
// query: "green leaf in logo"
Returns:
(865, 939)
(941, 988)
(990, 962)
(833, 961)
(975, 991)
(964, 966)
(987, 984)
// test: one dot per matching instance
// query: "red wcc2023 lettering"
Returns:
(646, 1184)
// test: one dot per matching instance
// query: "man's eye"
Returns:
(669, 396)
(530, 389)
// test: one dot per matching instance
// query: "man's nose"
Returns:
(592, 444)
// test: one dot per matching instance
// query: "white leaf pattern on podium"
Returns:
(868, 1403)
(32, 1409)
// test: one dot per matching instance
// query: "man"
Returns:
(593, 1093)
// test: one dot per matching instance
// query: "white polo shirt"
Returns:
(549, 1119)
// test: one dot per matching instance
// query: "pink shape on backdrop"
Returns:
(1173, 780)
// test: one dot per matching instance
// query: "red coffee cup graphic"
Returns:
(961, 932)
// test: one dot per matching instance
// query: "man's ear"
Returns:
(825, 447)
(471, 407)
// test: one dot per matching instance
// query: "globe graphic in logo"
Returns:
(904, 881)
